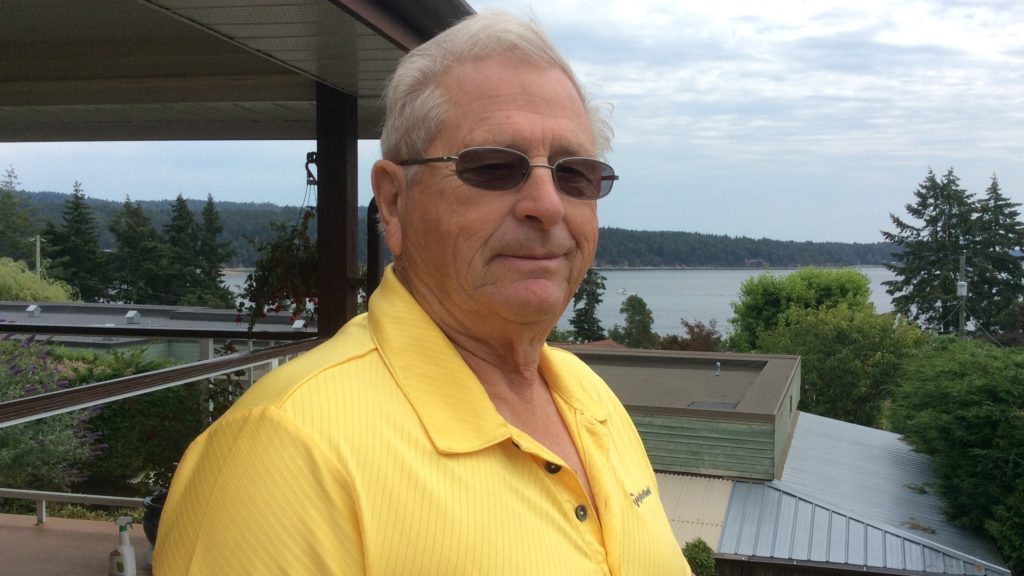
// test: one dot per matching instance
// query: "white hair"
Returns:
(416, 106)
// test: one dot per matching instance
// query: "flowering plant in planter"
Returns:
(285, 277)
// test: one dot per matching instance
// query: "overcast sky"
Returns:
(795, 120)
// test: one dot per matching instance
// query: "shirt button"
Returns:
(552, 468)
(581, 513)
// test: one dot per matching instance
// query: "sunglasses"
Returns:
(492, 168)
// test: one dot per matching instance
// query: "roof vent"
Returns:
(132, 317)
(33, 311)
(299, 325)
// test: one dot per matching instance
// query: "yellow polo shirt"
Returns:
(380, 453)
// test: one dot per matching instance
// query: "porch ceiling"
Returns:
(81, 70)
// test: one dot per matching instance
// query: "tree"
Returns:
(196, 255)
(638, 332)
(213, 253)
(73, 248)
(181, 234)
(16, 220)
(764, 299)
(927, 261)
(961, 402)
(585, 325)
(698, 337)
(559, 335)
(139, 268)
(850, 358)
(999, 276)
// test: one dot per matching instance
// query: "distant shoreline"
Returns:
(766, 269)
(244, 270)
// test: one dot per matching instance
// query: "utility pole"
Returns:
(38, 259)
(38, 240)
(961, 291)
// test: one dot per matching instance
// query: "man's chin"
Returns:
(534, 301)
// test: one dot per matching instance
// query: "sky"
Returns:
(793, 120)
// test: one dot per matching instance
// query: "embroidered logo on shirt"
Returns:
(639, 497)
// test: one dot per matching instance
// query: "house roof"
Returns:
(695, 505)
(852, 495)
(195, 70)
(748, 386)
(94, 321)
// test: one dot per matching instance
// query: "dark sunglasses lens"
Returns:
(491, 168)
(584, 178)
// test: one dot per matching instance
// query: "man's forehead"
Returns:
(513, 103)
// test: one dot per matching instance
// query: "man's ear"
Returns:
(388, 182)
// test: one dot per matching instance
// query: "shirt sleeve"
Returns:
(256, 494)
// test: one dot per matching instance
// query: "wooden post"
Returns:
(337, 198)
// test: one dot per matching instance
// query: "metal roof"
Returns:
(193, 69)
(695, 505)
(155, 319)
(852, 495)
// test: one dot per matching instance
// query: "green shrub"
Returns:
(45, 454)
(144, 436)
(765, 299)
(851, 358)
(700, 556)
(101, 449)
(962, 403)
(18, 284)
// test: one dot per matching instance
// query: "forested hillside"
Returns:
(617, 248)
(639, 248)
(242, 220)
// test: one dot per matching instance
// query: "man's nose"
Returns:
(539, 198)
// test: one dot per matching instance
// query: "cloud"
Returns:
(800, 119)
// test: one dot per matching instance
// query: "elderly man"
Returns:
(438, 434)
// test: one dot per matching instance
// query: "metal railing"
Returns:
(21, 410)
(42, 405)
(41, 498)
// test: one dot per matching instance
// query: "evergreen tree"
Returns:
(17, 221)
(927, 261)
(181, 234)
(585, 325)
(999, 283)
(213, 253)
(74, 248)
(139, 264)
(638, 331)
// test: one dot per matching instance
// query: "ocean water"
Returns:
(703, 295)
(672, 295)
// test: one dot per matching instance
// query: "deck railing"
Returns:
(40, 406)
(41, 498)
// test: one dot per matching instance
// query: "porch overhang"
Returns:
(77, 70)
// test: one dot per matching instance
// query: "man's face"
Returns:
(516, 254)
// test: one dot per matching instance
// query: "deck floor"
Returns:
(62, 547)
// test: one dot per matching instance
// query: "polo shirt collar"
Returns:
(453, 406)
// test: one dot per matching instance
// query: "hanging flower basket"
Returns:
(285, 276)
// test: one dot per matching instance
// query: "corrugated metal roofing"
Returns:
(695, 505)
(767, 522)
(850, 495)
(873, 474)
